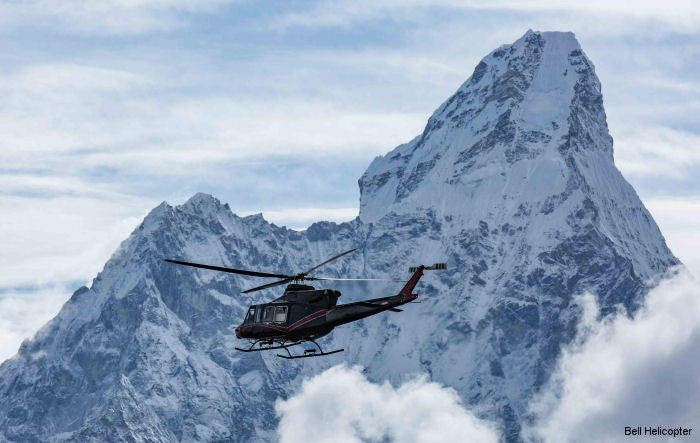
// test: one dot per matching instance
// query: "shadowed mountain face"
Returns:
(512, 183)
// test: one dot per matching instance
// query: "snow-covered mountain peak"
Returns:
(201, 198)
(509, 119)
(159, 210)
(202, 202)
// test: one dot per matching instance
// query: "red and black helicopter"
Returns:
(303, 313)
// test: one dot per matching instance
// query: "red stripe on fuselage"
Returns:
(291, 327)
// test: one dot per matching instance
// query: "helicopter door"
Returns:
(269, 314)
(281, 314)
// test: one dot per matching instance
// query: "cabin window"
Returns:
(281, 314)
(258, 315)
(269, 314)
(251, 315)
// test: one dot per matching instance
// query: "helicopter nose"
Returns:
(238, 332)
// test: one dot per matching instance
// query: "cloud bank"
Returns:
(22, 315)
(639, 371)
(340, 405)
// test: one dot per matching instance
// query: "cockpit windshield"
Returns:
(251, 315)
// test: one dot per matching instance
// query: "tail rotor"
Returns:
(435, 267)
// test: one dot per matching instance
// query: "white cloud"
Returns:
(681, 16)
(340, 405)
(666, 84)
(104, 17)
(657, 151)
(24, 312)
(207, 131)
(84, 116)
(639, 371)
(62, 239)
(678, 219)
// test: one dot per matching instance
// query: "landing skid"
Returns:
(308, 352)
(267, 345)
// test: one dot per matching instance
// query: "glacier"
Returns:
(512, 183)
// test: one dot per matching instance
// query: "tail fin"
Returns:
(413, 281)
(407, 290)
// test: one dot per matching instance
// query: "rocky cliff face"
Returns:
(512, 183)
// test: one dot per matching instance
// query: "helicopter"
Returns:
(303, 313)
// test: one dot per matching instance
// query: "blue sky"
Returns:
(111, 107)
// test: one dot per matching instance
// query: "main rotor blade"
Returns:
(269, 285)
(329, 260)
(230, 270)
(353, 279)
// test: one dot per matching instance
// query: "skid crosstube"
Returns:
(282, 345)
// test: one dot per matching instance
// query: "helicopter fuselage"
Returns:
(305, 313)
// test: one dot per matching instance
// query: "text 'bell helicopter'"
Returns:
(304, 313)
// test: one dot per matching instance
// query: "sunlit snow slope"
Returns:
(512, 183)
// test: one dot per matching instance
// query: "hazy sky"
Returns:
(109, 108)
